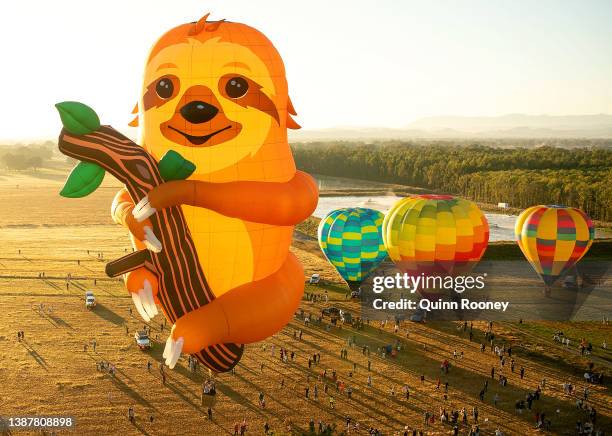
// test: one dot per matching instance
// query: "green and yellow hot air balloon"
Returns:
(351, 239)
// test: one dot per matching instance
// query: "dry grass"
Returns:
(51, 374)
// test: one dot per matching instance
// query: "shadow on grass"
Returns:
(60, 322)
(140, 429)
(109, 315)
(131, 392)
(457, 377)
(37, 357)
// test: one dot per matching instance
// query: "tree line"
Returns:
(520, 176)
(25, 157)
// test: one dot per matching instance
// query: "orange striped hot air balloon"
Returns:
(435, 234)
(553, 238)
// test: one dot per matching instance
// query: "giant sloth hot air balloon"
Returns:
(553, 239)
(211, 192)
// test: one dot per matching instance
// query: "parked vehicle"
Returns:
(346, 317)
(570, 282)
(314, 279)
(418, 316)
(90, 300)
(331, 311)
(142, 340)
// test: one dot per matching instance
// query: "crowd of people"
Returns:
(329, 382)
(325, 384)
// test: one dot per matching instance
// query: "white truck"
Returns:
(314, 279)
(142, 340)
(90, 300)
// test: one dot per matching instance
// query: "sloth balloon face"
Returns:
(216, 93)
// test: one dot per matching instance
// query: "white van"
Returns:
(90, 300)
(142, 340)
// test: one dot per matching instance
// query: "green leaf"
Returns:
(83, 180)
(173, 166)
(78, 118)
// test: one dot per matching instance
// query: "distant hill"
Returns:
(505, 126)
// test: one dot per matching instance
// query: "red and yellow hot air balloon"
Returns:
(553, 238)
(435, 234)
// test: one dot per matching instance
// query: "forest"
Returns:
(25, 157)
(520, 176)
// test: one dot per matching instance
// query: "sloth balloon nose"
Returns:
(197, 112)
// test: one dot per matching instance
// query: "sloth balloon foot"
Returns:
(151, 241)
(144, 302)
(172, 352)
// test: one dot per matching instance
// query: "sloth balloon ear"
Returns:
(290, 107)
(291, 124)
(134, 122)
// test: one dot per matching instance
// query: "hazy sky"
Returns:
(349, 63)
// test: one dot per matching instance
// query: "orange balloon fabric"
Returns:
(215, 92)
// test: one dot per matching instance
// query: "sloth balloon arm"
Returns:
(122, 213)
(282, 204)
(230, 318)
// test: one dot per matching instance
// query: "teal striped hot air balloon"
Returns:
(351, 239)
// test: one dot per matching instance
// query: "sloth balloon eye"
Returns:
(236, 87)
(164, 88)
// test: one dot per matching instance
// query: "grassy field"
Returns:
(51, 373)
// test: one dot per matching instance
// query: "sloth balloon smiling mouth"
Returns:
(199, 140)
